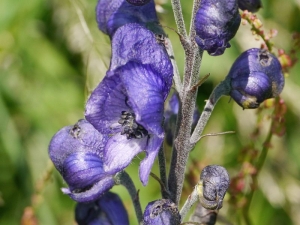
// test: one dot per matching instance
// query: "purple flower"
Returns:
(107, 210)
(112, 14)
(250, 5)
(161, 212)
(138, 2)
(170, 115)
(128, 106)
(216, 23)
(214, 182)
(133, 42)
(255, 76)
(76, 152)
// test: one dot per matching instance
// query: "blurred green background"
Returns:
(52, 55)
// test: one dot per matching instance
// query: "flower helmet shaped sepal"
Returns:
(128, 106)
(216, 23)
(111, 15)
(76, 152)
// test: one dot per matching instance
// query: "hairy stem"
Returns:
(222, 89)
(176, 78)
(182, 147)
(193, 197)
(179, 17)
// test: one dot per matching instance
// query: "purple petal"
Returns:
(133, 42)
(113, 14)
(256, 84)
(119, 151)
(152, 150)
(104, 106)
(93, 193)
(174, 103)
(112, 205)
(82, 170)
(146, 94)
(108, 209)
(81, 137)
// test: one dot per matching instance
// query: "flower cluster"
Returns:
(124, 114)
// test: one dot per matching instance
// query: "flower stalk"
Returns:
(124, 179)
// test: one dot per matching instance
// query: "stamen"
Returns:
(130, 127)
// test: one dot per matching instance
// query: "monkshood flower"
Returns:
(107, 210)
(112, 14)
(128, 106)
(133, 42)
(255, 76)
(76, 152)
(214, 182)
(170, 115)
(161, 212)
(250, 5)
(138, 2)
(216, 23)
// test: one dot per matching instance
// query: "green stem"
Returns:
(191, 200)
(162, 171)
(124, 179)
(220, 90)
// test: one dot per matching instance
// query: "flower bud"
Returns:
(255, 76)
(250, 5)
(214, 182)
(113, 14)
(161, 212)
(216, 23)
(107, 210)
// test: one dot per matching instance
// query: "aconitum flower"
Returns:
(107, 210)
(214, 182)
(138, 2)
(250, 5)
(76, 152)
(255, 76)
(128, 106)
(133, 42)
(161, 212)
(113, 14)
(216, 23)
(171, 114)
